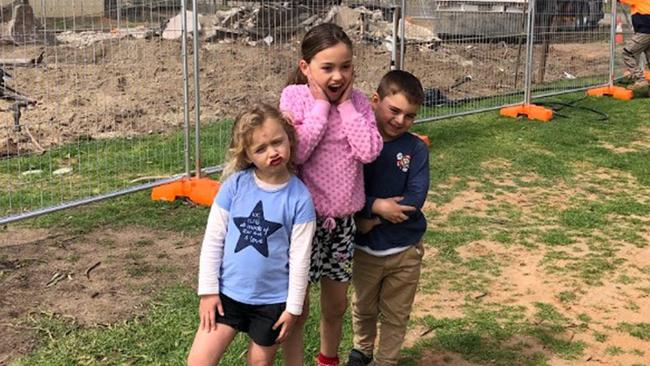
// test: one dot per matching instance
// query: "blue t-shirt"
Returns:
(255, 265)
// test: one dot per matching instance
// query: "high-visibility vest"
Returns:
(638, 6)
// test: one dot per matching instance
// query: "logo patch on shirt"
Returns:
(254, 230)
(403, 162)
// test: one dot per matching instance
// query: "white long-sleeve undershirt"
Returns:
(299, 256)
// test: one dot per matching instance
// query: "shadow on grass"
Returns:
(497, 337)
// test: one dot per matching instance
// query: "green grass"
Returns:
(638, 330)
(161, 337)
(551, 191)
(101, 166)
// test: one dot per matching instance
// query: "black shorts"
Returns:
(255, 320)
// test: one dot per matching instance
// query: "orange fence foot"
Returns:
(531, 111)
(646, 75)
(424, 138)
(200, 191)
(615, 92)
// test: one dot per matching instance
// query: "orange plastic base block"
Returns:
(200, 191)
(646, 75)
(424, 138)
(615, 92)
(532, 111)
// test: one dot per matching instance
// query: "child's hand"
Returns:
(316, 91)
(365, 225)
(207, 306)
(287, 320)
(391, 210)
(347, 94)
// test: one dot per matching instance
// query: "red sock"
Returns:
(327, 361)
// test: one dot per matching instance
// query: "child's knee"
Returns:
(336, 308)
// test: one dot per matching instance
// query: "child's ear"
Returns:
(374, 100)
(304, 67)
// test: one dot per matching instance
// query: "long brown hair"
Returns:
(318, 38)
(242, 133)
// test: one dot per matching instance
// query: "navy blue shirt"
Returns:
(641, 23)
(402, 169)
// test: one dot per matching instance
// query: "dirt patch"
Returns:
(469, 200)
(45, 272)
(133, 87)
(618, 149)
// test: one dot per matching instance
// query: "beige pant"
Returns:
(639, 43)
(384, 291)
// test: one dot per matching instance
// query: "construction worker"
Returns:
(639, 43)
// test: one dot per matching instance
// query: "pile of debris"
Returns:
(279, 22)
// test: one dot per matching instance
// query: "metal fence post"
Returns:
(610, 89)
(119, 13)
(612, 43)
(528, 109)
(530, 39)
(395, 58)
(402, 41)
(197, 96)
(186, 109)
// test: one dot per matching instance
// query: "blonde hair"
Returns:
(242, 134)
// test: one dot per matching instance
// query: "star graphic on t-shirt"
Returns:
(254, 230)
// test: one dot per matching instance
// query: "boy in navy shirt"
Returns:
(388, 252)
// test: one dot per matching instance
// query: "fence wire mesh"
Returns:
(91, 100)
(476, 51)
(92, 91)
(249, 49)
(572, 49)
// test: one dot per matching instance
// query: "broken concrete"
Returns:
(174, 27)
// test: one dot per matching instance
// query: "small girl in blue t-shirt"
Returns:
(254, 262)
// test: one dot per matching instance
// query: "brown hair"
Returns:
(399, 81)
(318, 38)
(242, 133)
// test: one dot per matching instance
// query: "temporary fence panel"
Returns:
(572, 50)
(469, 54)
(91, 101)
(97, 104)
(477, 57)
(249, 49)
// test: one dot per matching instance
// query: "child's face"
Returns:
(394, 114)
(270, 151)
(331, 69)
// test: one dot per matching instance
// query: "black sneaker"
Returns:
(357, 358)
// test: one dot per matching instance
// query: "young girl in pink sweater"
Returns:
(337, 134)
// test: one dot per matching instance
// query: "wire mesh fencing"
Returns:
(91, 100)
(249, 49)
(571, 48)
(96, 99)
(478, 57)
